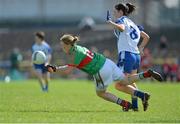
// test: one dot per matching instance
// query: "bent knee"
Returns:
(119, 86)
(100, 93)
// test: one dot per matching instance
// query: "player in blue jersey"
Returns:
(128, 36)
(40, 71)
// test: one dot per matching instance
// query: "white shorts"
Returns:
(107, 75)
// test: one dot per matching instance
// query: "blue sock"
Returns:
(134, 102)
(45, 88)
(139, 94)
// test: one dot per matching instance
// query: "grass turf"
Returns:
(76, 101)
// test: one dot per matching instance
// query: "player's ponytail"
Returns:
(69, 39)
(126, 9)
(130, 7)
(76, 39)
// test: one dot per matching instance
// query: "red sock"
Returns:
(124, 103)
(146, 74)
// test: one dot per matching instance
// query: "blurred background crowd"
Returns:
(19, 19)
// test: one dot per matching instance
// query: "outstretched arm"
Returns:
(120, 27)
(53, 68)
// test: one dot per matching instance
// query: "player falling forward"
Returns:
(103, 70)
(128, 36)
(40, 71)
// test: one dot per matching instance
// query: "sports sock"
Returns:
(143, 75)
(122, 103)
(139, 94)
(119, 101)
(134, 102)
(46, 87)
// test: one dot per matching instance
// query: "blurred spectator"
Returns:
(174, 70)
(146, 60)
(77, 74)
(178, 74)
(87, 23)
(163, 46)
(15, 58)
(166, 70)
(94, 49)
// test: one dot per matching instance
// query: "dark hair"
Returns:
(127, 9)
(40, 35)
(69, 39)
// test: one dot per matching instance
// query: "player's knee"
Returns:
(38, 75)
(134, 85)
(118, 86)
(46, 79)
(126, 80)
(100, 93)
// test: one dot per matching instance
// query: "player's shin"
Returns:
(136, 77)
(128, 89)
(46, 85)
(134, 99)
(112, 98)
(144, 97)
(42, 84)
(133, 91)
(46, 76)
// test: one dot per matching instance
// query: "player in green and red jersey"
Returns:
(104, 72)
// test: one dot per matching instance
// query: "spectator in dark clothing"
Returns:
(166, 70)
(163, 46)
(174, 70)
(178, 74)
(15, 58)
(146, 60)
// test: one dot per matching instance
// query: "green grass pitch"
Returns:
(76, 101)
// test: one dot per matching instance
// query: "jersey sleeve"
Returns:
(120, 20)
(141, 28)
(49, 49)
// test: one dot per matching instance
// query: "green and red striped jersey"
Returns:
(86, 60)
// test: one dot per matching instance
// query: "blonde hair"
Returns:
(69, 39)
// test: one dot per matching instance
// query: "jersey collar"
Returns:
(72, 49)
(121, 18)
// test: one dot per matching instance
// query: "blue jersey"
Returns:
(129, 38)
(44, 47)
(129, 58)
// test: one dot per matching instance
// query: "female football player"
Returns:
(103, 70)
(41, 73)
(128, 36)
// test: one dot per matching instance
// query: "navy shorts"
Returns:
(128, 61)
(40, 68)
